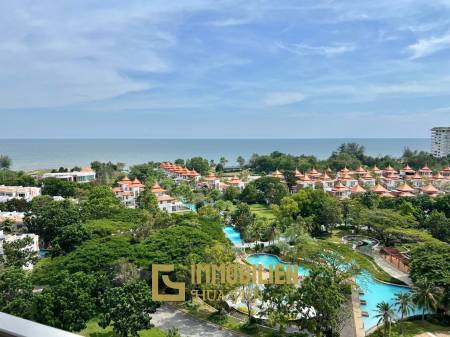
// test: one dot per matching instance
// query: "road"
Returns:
(167, 317)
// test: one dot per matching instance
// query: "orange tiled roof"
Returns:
(339, 187)
(156, 188)
(379, 189)
(360, 169)
(358, 189)
(430, 189)
(405, 188)
(425, 169)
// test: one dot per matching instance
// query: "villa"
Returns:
(277, 174)
(128, 191)
(178, 172)
(387, 183)
(20, 192)
(85, 175)
(236, 182)
(166, 202)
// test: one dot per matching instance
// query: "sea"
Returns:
(31, 154)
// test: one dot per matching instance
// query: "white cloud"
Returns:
(283, 98)
(304, 49)
(228, 22)
(425, 47)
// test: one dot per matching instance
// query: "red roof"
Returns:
(358, 189)
(405, 188)
(157, 189)
(339, 187)
(425, 169)
(379, 189)
(430, 189)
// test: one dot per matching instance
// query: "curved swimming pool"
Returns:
(267, 260)
(374, 290)
(233, 235)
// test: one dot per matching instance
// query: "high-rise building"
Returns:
(440, 141)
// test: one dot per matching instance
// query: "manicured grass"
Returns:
(93, 330)
(413, 328)
(262, 211)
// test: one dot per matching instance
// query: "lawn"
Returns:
(93, 330)
(262, 211)
(413, 328)
(204, 312)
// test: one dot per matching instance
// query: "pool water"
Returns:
(233, 235)
(374, 291)
(268, 260)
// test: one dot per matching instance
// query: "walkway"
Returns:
(167, 317)
(394, 272)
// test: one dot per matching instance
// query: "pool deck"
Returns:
(358, 325)
(394, 272)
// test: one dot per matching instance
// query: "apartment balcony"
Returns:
(12, 326)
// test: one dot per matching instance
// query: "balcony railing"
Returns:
(12, 326)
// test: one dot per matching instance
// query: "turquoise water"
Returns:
(28, 154)
(233, 235)
(374, 291)
(268, 260)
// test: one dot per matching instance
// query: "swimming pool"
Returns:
(233, 235)
(374, 290)
(268, 260)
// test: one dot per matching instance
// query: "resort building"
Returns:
(85, 175)
(304, 181)
(340, 191)
(360, 171)
(348, 180)
(446, 172)
(426, 172)
(211, 181)
(128, 191)
(178, 172)
(327, 182)
(440, 141)
(430, 190)
(277, 174)
(20, 192)
(357, 189)
(407, 171)
(236, 182)
(166, 202)
(377, 171)
(391, 180)
(404, 190)
(379, 189)
(367, 180)
(416, 180)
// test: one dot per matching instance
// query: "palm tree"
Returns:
(405, 304)
(385, 313)
(426, 295)
(5, 162)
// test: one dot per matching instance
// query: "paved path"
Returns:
(167, 317)
(394, 272)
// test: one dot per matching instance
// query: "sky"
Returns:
(223, 68)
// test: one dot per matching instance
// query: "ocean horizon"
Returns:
(30, 154)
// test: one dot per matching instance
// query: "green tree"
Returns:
(58, 187)
(241, 161)
(101, 202)
(438, 225)
(231, 193)
(278, 304)
(267, 190)
(69, 237)
(199, 164)
(128, 308)
(18, 253)
(242, 217)
(48, 217)
(66, 304)
(385, 315)
(173, 332)
(5, 162)
(405, 305)
(147, 200)
(16, 292)
(426, 295)
(7, 226)
(321, 291)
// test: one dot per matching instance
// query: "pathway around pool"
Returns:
(394, 272)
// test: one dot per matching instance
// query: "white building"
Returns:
(20, 192)
(166, 202)
(440, 141)
(128, 191)
(86, 175)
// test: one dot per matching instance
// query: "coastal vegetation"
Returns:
(99, 251)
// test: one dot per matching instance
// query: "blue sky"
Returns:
(223, 69)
